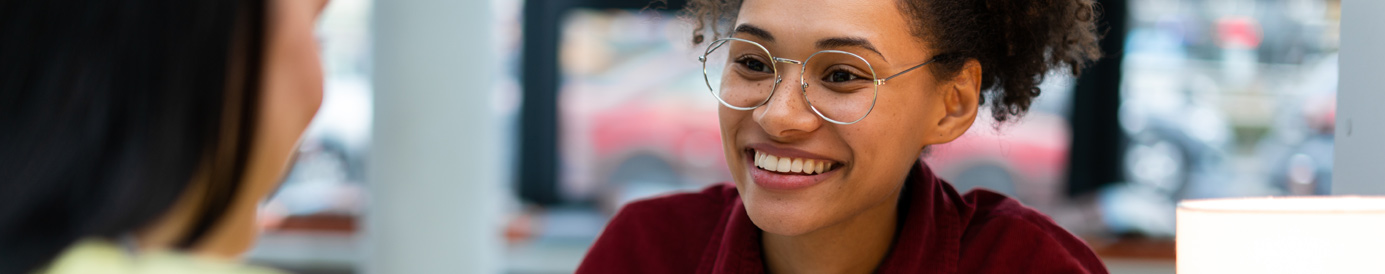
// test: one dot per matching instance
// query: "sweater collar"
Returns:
(929, 233)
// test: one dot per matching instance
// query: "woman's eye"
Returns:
(755, 65)
(839, 76)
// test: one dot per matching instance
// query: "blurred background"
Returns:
(601, 102)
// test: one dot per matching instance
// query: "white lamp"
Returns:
(1329, 234)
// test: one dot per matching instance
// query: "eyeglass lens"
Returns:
(839, 85)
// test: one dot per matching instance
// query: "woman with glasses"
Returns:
(139, 136)
(825, 109)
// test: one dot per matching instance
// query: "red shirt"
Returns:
(940, 231)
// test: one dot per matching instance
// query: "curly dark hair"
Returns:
(1017, 42)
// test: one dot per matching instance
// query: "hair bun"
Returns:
(1017, 43)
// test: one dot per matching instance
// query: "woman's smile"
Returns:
(783, 169)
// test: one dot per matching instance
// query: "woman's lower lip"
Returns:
(781, 181)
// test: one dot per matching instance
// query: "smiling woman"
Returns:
(822, 126)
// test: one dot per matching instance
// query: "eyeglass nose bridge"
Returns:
(787, 61)
(780, 78)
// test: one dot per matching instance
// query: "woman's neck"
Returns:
(856, 245)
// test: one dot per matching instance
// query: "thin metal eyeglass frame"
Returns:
(803, 83)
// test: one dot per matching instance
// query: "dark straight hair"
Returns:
(111, 111)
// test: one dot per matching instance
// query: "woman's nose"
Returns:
(787, 113)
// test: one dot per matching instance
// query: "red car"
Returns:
(1026, 159)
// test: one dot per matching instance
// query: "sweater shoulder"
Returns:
(661, 234)
(1007, 235)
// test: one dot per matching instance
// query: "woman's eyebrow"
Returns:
(754, 31)
(838, 42)
(826, 43)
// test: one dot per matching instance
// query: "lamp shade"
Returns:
(1323, 234)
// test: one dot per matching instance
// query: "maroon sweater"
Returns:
(940, 231)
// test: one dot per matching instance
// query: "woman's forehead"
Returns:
(803, 25)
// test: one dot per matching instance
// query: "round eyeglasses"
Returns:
(841, 87)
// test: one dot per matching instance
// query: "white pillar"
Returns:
(433, 170)
(1359, 161)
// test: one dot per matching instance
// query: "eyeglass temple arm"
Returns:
(882, 81)
(712, 47)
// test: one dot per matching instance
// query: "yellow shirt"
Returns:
(94, 256)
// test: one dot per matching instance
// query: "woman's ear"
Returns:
(961, 97)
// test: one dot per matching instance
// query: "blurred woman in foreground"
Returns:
(139, 136)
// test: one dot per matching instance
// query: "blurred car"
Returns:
(1172, 152)
(636, 117)
(1178, 135)
(1298, 153)
(646, 147)
(1205, 79)
(1025, 159)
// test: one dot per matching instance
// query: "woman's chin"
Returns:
(781, 217)
(784, 212)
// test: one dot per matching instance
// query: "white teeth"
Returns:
(758, 155)
(795, 165)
